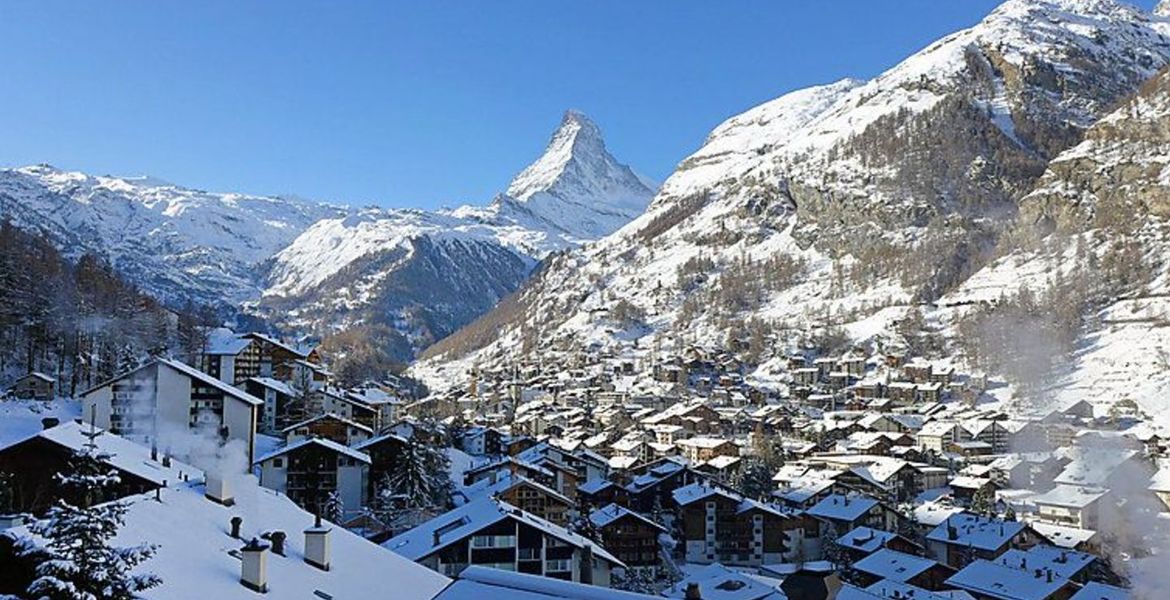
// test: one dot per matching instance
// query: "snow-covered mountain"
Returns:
(175, 242)
(843, 204)
(1095, 234)
(425, 274)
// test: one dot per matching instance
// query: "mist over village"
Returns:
(880, 310)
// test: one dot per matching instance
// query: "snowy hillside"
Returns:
(173, 241)
(1089, 244)
(425, 274)
(840, 205)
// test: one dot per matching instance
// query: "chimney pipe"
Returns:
(50, 422)
(217, 489)
(254, 566)
(317, 545)
(693, 592)
(278, 538)
(236, 522)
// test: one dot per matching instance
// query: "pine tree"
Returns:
(334, 507)
(755, 479)
(77, 561)
(981, 503)
(833, 551)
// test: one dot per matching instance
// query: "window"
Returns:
(278, 463)
(493, 541)
(557, 565)
(529, 554)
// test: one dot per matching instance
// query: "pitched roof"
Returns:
(891, 564)
(454, 525)
(197, 558)
(610, 513)
(323, 442)
(1004, 583)
(122, 453)
(484, 583)
(976, 531)
(842, 508)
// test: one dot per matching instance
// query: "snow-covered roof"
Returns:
(717, 582)
(1063, 562)
(454, 525)
(606, 515)
(976, 531)
(222, 340)
(275, 384)
(842, 508)
(865, 539)
(483, 583)
(1070, 496)
(1092, 466)
(323, 442)
(891, 564)
(196, 556)
(1099, 591)
(123, 454)
(1062, 535)
(993, 580)
(886, 589)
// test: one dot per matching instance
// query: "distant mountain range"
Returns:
(320, 268)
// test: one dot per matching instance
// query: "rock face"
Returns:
(425, 274)
(875, 193)
(1119, 173)
(1097, 230)
(175, 242)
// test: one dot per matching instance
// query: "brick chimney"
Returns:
(254, 566)
(317, 545)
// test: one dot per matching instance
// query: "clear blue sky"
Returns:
(424, 103)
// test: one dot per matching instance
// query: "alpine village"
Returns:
(904, 338)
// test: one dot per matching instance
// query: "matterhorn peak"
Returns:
(577, 139)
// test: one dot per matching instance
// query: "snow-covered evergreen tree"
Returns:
(334, 507)
(755, 479)
(76, 560)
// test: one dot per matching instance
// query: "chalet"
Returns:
(230, 357)
(630, 536)
(539, 500)
(481, 441)
(1068, 564)
(654, 485)
(385, 452)
(936, 436)
(888, 564)
(309, 470)
(964, 537)
(33, 386)
(965, 488)
(154, 402)
(33, 463)
(280, 360)
(698, 449)
(494, 534)
(844, 512)
(719, 525)
(279, 401)
(328, 426)
(863, 541)
(993, 433)
(1070, 505)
